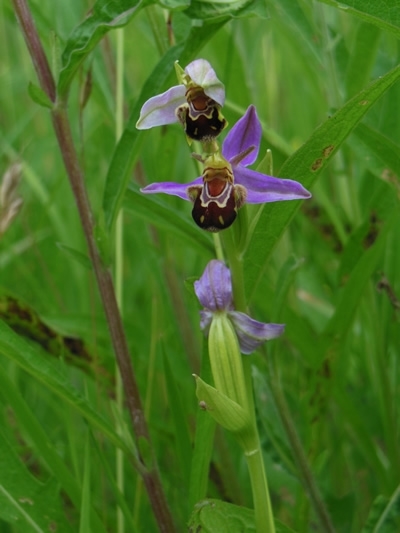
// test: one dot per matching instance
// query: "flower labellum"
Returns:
(201, 116)
(195, 103)
(217, 200)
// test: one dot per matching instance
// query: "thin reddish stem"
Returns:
(62, 129)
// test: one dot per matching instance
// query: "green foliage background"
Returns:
(323, 78)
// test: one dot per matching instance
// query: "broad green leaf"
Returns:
(155, 211)
(380, 145)
(381, 13)
(215, 516)
(24, 501)
(105, 16)
(304, 166)
(216, 9)
(49, 373)
(39, 96)
(127, 150)
(384, 516)
(55, 337)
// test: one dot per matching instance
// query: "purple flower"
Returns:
(195, 102)
(227, 183)
(214, 291)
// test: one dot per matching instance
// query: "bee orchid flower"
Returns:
(226, 183)
(195, 103)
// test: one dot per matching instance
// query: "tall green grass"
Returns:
(324, 80)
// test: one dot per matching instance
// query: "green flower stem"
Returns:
(218, 246)
(236, 268)
(264, 519)
(262, 504)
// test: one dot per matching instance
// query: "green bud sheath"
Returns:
(226, 360)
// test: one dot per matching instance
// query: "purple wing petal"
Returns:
(202, 73)
(244, 134)
(205, 321)
(251, 333)
(160, 109)
(262, 188)
(169, 187)
(214, 288)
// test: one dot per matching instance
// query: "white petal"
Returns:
(160, 109)
(202, 73)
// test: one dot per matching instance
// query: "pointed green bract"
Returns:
(229, 414)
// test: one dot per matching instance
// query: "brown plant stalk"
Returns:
(149, 473)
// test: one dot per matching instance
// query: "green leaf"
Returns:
(127, 150)
(216, 9)
(355, 286)
(182, 435)
(105, 16)
(25, 501)
(357, 430)
(304, 166)
(49, 373)
(380, 145)
(301, 24)
(362, 58)
(42, 445)
(385, 15)
(84, 524)
(155, 211)
(270, 419)
(384, 516)
(174, 5)
(215, 516)
(79, 257)
(39, 96)
(203, 443)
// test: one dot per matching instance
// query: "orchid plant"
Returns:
(226, 184)
(295, 363)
